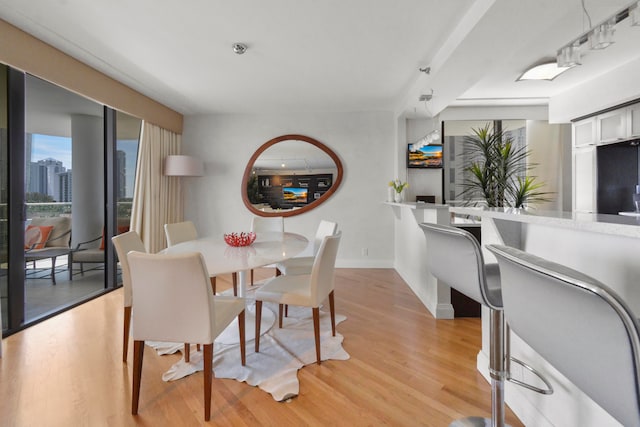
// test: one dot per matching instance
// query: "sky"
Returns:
(59, 148)
(56, 147)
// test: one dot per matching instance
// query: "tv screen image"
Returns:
(294, 195)
(429, 156)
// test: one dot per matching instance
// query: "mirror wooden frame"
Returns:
(306, 208)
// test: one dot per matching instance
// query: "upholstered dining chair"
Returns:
(174, 302)
(179, 232)
(307, 290)
(266, 224)
(579, 325)
(124, 243)
(184, 231)
(303, 265)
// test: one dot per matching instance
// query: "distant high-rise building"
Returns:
(121, 163)
(65, 182)
(36, 178)
(44, 177)
(27, 152)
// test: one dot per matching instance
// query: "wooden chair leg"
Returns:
(197, 347)
(316, 331)
(332, 309)
(251, 277)
(125, 333)
(212, 279)
(208, 375)
(280, 306)
(234, 280)
(241, 328)
(286, 310)
(138, 353)
(187, 352)
(258, 320)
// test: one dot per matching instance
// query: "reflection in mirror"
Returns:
(289, 175)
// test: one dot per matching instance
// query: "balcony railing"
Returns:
(50, 209)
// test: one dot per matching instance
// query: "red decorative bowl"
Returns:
(240, 239)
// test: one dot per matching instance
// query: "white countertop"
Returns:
(598, 223)
(418, 205)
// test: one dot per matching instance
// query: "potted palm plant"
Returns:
(496, 171)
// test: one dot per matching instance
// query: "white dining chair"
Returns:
(184, 231)
(174, 303)
(124, 243)
(179, 232)
(303, 265)
(260, 224)
(307, 290)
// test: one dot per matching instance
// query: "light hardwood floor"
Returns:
(406, 369)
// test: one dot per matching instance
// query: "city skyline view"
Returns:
(59, 148)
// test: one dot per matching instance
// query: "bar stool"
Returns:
(579, 325)
(455, 257)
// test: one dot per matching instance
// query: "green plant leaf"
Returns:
(496, 171)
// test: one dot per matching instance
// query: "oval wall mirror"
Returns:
(290, 175)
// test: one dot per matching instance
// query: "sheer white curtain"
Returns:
(157, 199)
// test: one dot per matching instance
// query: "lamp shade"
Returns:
(178, 165)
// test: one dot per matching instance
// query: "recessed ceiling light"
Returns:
(548, 71)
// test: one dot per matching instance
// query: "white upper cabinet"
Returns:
(584, 132)
(612, 126)
(633, 121)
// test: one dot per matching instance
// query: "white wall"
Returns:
(365, 143)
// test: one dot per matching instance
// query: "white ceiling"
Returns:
(326, 55)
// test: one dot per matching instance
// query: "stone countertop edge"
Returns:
(418, 205)
(597, 223)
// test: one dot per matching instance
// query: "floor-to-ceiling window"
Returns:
(64, 177)
(127, 143)
(72, 154)
(4, 192)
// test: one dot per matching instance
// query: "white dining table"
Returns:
(220, 258)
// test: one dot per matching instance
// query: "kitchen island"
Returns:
(411, 253)
(605, 247)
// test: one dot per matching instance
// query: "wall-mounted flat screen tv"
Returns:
(429, 156)
(294, 195)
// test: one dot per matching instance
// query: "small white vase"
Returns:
(398, 197)
(390, 194)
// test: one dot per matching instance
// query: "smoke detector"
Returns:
(239, 48)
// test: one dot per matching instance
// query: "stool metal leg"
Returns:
(497, 371)
(497, 366)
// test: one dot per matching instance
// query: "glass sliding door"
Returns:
(4, 201)
(67, 169)
(127, 142)
(122, 141)
(64, 188)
